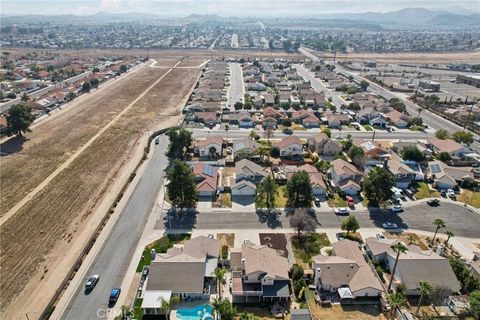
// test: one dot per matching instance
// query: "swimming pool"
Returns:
(201, 312)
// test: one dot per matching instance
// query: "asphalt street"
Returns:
(115, 256)
(459, 219)
(236, 90)
(379, 134)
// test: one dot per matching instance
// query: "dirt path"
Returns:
(55, 173)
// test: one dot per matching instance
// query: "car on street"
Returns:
(92, 282)
(389, 225)
(350, 202)
(396, 208)
(342, 211)
(340, 236)
(451, 194)
(443, 193)
(157, 141)
(317, 201)
(433, 202)
(380, 236)
(114, 295)
(145, 271)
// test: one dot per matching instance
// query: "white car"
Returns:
(396, 208)
(343, 211)
(389, 225)
(451, 193)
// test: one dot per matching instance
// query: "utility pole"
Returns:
(373, 135)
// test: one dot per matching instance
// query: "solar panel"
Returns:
(208, 170)
(435, 168)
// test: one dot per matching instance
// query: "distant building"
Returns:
(370, 63)
(471, 80)
(429, 85)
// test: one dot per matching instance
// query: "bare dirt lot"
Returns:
(429, 58)
(43, 232)
(54, 140)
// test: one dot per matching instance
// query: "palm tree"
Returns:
(227, 127)
(396, 300)
(398, 248)
(167, 305)
(268, 189)
(217, 304)
(219, 275)
(125, 313)
(425, 288)
(263, 151)
(440, 224)
(449, 235)
(411, 239)
(419, 110)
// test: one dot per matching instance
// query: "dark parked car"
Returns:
(433, 202)
(114, 295)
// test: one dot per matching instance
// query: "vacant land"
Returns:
(307, 246)
(276, 241)
(54, 140)
(48, 224)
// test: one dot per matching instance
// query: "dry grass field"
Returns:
(53, 141)
(50, 222)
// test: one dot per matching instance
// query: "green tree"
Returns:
(425, 288)
(396, 301)
(275, 152)
(439, 223)
(224, 309)
(180, 142)
(267, 189)
(364, 85)
(70, 96)
(474, 300)
(247, 316)
(355, 106)
(25, 97)
(322, 166)
(123, 68)
(19, 119)
(411, 152)
(302, 222)
(94, 82)
(378, 186)
(238, 105)
(328, 132)
(397, 104)
(463, 137)
(219, 274)
(417, 121)
(442, 134)
(350, 224)
(398, 248)
(357, 155)
(299, 191)
(443, 156)
(181, 189)
(86, 86)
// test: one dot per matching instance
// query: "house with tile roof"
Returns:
(346, 272)
(259, 274)
(290, 146)
(403, 174)
(210, 147)
(345, 176)
(206, 178)
(450, 146)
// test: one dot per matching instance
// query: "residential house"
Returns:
(185, 271)
(346, 272)
(269, 123)
(242, 119)
(206, 179)
(374, 152)
(259, 274)
(210, 147)
(316, 179)
(377, 248)
(247, 175)
(366, 114)
(269, 100)
(398, 119)
(272, 112)
(290, 146)
(404, 176)
(448, 177)
(245, 148)
(307, 118)
(208, 118)
(453, 148)
(345, 176)
(336, 120)
(323, 145)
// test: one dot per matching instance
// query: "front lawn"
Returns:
(424, 191)
(161, 246)
(368, 127)
(308, 246)
(470, 197)
(280, 199)
(337, 201)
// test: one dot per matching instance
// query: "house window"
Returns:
(246, 278)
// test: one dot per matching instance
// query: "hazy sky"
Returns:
(222, 7)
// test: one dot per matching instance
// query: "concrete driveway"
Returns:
(243, 203)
